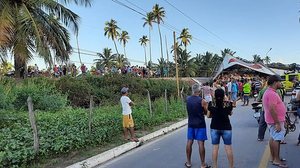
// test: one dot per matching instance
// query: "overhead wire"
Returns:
(96, 55)
(165, 24)
(195, 21)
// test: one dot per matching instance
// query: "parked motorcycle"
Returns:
(257, 107)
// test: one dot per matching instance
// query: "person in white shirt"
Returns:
(128, 124)
(229, 88)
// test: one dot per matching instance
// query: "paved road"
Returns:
(169, 151)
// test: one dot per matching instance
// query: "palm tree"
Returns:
(143, 41)
(121, 61)
(267, 60)
(111, 31)
(257, 58)
(185, 37)
(187, 66)
(149, 19)
(29, 27)
(206, 63)
(106, 59)
(227, 51)
(159, 14)
(124, 39)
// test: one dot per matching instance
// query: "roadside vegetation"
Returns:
(62, 113)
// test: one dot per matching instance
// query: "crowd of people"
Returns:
(72, 70)
(217, 102)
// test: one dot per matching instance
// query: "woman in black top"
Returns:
(220, 126)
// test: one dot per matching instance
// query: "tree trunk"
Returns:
(150, 46)
(124, 51)
(161, 50)
(116, 46)
(20, 67)
(145, 56)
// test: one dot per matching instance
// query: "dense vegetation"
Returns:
(62, 120)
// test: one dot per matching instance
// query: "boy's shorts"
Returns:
(128, 121)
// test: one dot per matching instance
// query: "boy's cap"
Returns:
(124, 90)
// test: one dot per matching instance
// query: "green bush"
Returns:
(44, 96)
(64, 131)
(77, 89)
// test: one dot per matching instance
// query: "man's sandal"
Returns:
(206, 166)
(281, 159)
(281, 165)
(187, 165)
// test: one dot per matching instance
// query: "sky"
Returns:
(247, 27)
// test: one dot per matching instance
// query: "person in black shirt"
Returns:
(220, 126)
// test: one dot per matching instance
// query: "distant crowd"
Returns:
(72, 70)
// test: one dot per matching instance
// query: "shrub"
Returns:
(77, 89)
(44, 96)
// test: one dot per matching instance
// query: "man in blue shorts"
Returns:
(196, 108)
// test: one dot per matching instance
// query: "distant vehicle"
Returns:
(288, 80)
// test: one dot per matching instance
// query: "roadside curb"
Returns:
(117, 151)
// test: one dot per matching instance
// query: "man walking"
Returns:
(128, 123)
(275, 111)
(196, 108)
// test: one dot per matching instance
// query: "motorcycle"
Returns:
(257, 107)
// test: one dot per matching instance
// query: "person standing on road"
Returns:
(207, 92)
(246, 92)
(262, 123)
(234, 92)
(275, 111)
(196, 108)
(220, 126)
(128, 123)
(298, 113)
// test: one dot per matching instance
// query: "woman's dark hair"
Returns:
(219, 96)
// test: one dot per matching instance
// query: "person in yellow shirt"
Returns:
(246, 91)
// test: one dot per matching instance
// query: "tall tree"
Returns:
(257, 58)
(227, 51)
(186, 63)
(267, 60)
(106, 59)
(121, 61)
(124, 37)
(207, 63)
(159, 14)
(29, 27)
(143, 41)
(111, 31)
(185, 37)
(149, 19)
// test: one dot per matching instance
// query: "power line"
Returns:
(166, 25)
(195, 22)
(122, 4)
(96, 55)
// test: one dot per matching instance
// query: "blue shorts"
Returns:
(234, 96)
(277, 136)
(217, 134)
(198, 134)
